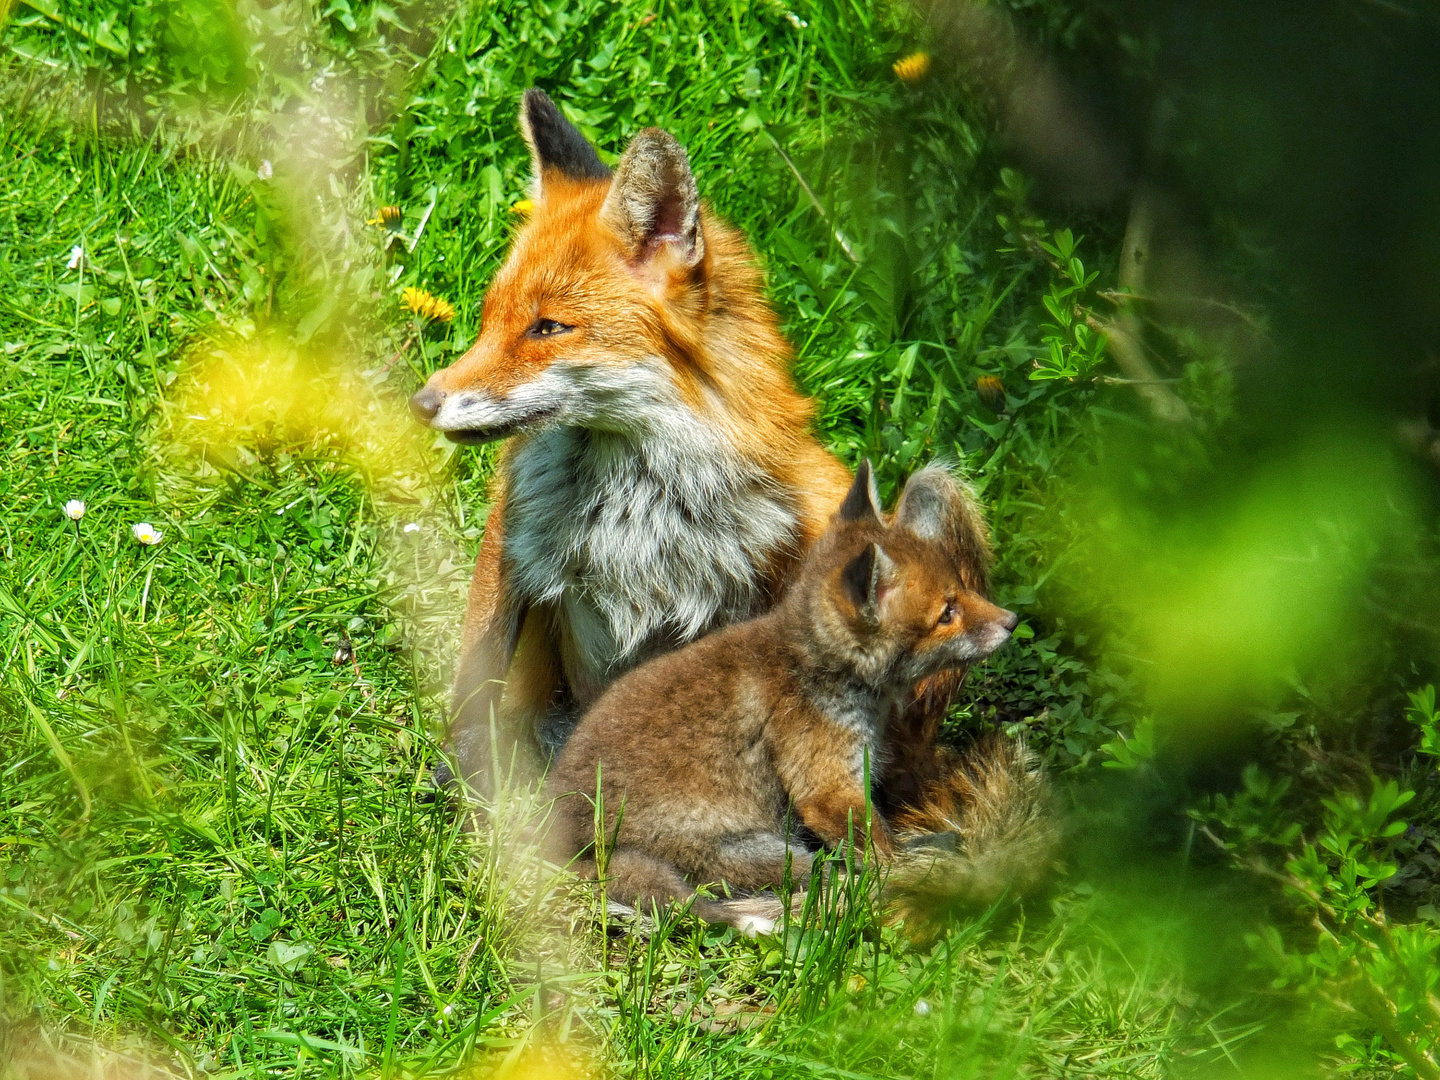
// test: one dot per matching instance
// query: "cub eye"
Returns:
(947, 616)
(547, 327)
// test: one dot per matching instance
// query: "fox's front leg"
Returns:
(492, 629)
(837, 816)
(827, 786)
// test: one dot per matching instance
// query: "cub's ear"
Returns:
(867, 578)
(556, 147)
(862, 502)
(653, 201)
(929, 504)
(940, 509)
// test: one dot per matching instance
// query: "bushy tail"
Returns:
(985, 825)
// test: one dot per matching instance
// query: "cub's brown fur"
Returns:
(711, 759)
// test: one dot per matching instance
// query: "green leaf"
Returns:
(1059, 310)
(288, 956)
(77, 292)
(1135, 751)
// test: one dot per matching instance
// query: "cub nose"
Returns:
(426, 403)
(1009, 620)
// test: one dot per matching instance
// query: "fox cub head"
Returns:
(903, 597)
(606, 277)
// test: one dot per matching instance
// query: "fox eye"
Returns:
(547, 327)
(947, 616)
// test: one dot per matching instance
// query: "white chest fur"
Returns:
(646, 529)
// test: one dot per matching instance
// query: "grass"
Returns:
(218, 840)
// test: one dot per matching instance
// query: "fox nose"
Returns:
(1009, 620)
(426, 403)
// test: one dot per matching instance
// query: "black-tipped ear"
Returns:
(862, 501)
(555, 143)
(866, 576)
(653, 200)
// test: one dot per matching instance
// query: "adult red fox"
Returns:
(710, 758)
(660, 479)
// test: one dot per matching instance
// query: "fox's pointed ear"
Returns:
(653, 201)
(939, 508)
(867, 578)
(862, 502)
(929, 505)
(556, 146)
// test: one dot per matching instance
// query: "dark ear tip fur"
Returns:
(860, 501)
(538, 112)
(557, 144)
(535, 98)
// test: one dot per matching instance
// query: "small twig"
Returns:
(1115, 296)
(1126, 335)
(814, 199)
(398, 353)
(1111, 331)
(1415, 1057)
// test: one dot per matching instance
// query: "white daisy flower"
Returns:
(922, 1007)
(77, 256)
(412, 527)
(146, 533)
(74, 509)
(266, 170)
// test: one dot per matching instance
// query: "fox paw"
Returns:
(755, 925)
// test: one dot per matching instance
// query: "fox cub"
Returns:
(711, 758)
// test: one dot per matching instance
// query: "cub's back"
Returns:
(686, 726)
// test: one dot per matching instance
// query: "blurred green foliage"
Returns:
(156, 53)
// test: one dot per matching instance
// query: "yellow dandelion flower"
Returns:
(912, 68)
(388, 218)
(992, 392)
(427, 306)
(524, 208)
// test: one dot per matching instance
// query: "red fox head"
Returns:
(905, 598)
(604, 288)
